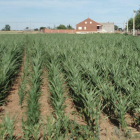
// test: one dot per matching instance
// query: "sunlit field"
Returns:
(69, 87)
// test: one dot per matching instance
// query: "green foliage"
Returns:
(100, 70)
(56, 86)
(107, 73)
(137, 21)
(6, 28)
(125, 34)
(31, 132)
(69, 27)
(130, 24)
(22, 87)
(116, 27)
(27, 28)
(61, 26)
(10, 61)
(36, 29)
(42, 28)
(7, 128)
(33, 110)
(120, 29)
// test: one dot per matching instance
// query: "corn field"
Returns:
(100, 73)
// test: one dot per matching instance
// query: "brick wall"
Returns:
(58, 31)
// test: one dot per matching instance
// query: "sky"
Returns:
(20, 14)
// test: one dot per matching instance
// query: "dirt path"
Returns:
(12, 106)
(108, 131)
(130, 121)
(70, 109)
(46, 108)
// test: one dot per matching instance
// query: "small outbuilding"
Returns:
(108, 27)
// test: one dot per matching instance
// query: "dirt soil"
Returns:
(12, 107)
(107, 129)
(71, 111)
(46, 108)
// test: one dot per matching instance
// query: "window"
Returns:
(85, 22)
(90, 22)
(85, 28)
(79, 28)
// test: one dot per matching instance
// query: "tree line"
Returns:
(61, 26)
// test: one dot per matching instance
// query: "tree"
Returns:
(6, 28)
(130, 24)
(137, 21)
(61, 26)
(42, 28)
(36, 29)
(120, 29)
(27, 28)
(69, 27)
(116, 27)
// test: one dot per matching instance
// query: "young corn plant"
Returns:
(33, 105)
(7, 128)
(62, 125)
(22, 88)
(92, 110)
(22, 91)
(85, 98)
(56, 89)
(122, 104)
(63, 128)
(31, 132)
(10, 63)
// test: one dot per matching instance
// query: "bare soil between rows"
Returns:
(11, 107)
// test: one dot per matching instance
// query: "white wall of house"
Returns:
(107, 27)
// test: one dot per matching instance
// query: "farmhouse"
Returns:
(86, 26)
(90, 26)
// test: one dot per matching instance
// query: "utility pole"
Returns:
(127, 24)
(134, 23)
